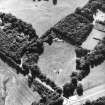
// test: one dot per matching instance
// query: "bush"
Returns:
(92, 59)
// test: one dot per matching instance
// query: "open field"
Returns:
(60, 57)
(41, 15)
(17, 89)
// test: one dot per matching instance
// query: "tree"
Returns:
(74, 74)
(35, 71)
(58, 102)
(79, 89)
(59, 90)
(30, 80)
(68, 90)
(74, 81)
(42, 77)
(99, 103)
(43, 100)
(49, 40)
(34, 103)
(78, 62)
(54, 2)
(78, 10)
(88, 102)
(81, 51)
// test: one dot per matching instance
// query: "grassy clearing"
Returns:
(60, 57)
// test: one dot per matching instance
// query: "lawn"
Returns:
(60, 57)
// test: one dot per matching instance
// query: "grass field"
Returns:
(60, 57)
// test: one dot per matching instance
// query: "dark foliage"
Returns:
(18, 25)
(79, 89)
(48, 96)
(74, 81)
(57, 102)
(92, 59)
(99, 101)
(59, 90)
(88, 102)
(74, 74)
(81, 52)
(19, 39)
(73, 29)
(10, 62)
(76, 27)
(68, 90)
(54, 2)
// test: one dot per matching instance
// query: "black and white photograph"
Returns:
(52, 52)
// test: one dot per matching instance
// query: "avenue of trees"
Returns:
(85, 61)
(92, 59)
(47, 96)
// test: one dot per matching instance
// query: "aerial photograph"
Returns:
(52, 52)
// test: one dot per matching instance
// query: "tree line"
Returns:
(31, 47)
(75, 27)
(92, 59)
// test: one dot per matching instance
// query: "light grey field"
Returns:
(58, 57)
